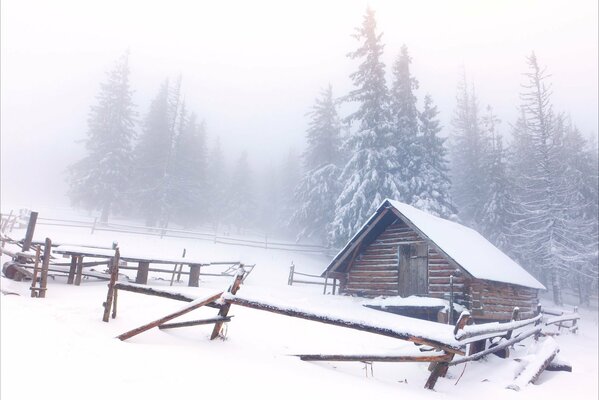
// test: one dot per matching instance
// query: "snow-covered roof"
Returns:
(468, 248)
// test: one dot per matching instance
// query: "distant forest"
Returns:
(535, 196)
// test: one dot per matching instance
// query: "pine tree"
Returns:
(241, 205)
(316, 193)
(153, 157)
(496, 217)
(368, 176)
(433, 195)
(550, 238)
(189, 171)
(469, 158)
(217, 183)
(101, 180)
(404, 124)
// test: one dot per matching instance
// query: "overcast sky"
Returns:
(252, 69)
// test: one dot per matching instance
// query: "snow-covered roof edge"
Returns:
(465, 246)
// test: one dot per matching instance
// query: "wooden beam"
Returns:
(114, 273)
(338, 322)
(194, 305)
(195, 322)
(371, 358)
(142, 272)
(128, 287)
(79, 273)
(225, 309)
(194, 275)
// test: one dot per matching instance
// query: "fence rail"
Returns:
(9, 220)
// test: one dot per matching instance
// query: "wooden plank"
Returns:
(44, 272)
(159, 293)
(79, 271)
(195, 322)
(372, 358)
(274, 308)
(72, 270)
(194, 275)
(114, 272)
(224, 311)
(142, 272)
(194, 305)
(535, 368)
(34, 291)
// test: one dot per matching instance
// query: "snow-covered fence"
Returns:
(562, 320)
(312, 280)
(261, 241)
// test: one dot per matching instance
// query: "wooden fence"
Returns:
(261, 240)
(325, 281)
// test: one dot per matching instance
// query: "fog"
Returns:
(252, 70)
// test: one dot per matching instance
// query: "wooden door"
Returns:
(413, 269)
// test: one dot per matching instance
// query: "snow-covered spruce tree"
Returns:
(369, 175)
(241, 206)
(154, 156)
(189, 171)
(217, 183)
(497, 213)
(469, 158)
(102, 179)
(549, 237)
(434, 189)
(319, 187)
(404, 126)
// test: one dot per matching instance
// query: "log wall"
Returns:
(496, 301)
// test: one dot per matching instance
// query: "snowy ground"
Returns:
(58, 347)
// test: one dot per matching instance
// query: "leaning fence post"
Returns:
(291, 272)
(114, 272)
(45, 263)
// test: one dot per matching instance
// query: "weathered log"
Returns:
(531, 372)
(501, 346)
(36, 271)
(194, 275)
(372, 358)
(224, 311)
(72, 270)
(559, 365)
(142, 272)
(79, 272)
(30, 230)
(194, 305)
(440, 368)
(338, 322)
(195, 322)
(114, 272)
(44, 272)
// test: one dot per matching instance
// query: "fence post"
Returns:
(326, 281)
(30, 230)
(45, 263)
(291, 271)
(450, 312)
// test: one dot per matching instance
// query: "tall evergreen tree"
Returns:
(469, 157)
(404, 125)
(433, 192)
(217, 184)
(241, 204)
(153, 157)
(189, 171)
(550, 237)
(316, 193)
(369, 176)
(100, 180)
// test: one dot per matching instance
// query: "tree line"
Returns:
(535, 196)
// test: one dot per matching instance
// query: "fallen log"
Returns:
(501, 346)
(559, 365)
(130, 287)
(372, 358)
(339, 322)
(195, 322)
(192, 306)
(531, 372)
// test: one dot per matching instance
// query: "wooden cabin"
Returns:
(402, 251)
